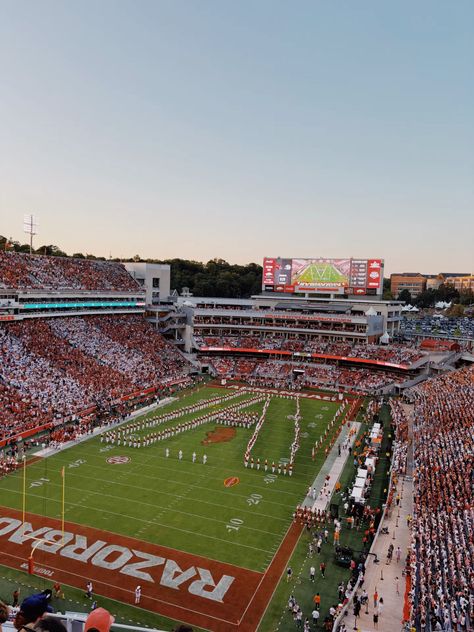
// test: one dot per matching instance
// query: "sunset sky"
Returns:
(211, 128)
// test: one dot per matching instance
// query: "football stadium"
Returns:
(259, 464)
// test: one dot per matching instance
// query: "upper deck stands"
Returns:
(36, 272)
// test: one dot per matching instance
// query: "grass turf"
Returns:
(181, 504)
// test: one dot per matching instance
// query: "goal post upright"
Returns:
(37, 541)
(63, 477)
(24, 493)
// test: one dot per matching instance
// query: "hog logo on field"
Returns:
(231, 481)
(219, 435)
(118, 460)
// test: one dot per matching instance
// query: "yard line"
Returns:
(300, 466)
(153, 478)
(277, 431)
(152, 523)
(207, 502)
(254, 486)
(208, 557)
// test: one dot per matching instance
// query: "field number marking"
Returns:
(234, 524)
(254, 499)
(39, 482)
(270, 478)
(77, 463)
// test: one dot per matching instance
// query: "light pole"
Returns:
(30, 227)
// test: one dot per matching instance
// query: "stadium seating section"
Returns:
(273, 373)
(443, 502)
(397, 354)
(54, 368)
(21, 271)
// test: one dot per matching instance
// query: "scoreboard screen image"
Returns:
(332, 276)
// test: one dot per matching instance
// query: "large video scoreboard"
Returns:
(323, 276)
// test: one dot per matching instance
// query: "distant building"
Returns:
(414, 282)
(433, 281)
(154, 278)
(417, 283)
(461, 281)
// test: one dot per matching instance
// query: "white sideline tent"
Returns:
(358, 495)
(361, 473)
(371, 462)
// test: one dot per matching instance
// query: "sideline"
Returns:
(379, 575)
(332, 467)
(337, 466)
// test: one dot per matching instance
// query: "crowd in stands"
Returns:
(69, 432)
(38, 272)
(443, 526)
(34, 377)
(7, 464)
(107, 341)
(51, 369)
(17, 412)
(396, 354)
(400, 447)
(278, 374)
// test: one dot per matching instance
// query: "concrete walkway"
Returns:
(382, 576)
(332, 466)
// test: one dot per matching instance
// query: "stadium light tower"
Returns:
(30, 227)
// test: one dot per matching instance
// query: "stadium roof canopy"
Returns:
(324, 307)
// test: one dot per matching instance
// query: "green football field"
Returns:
(178, 503)
(319, 273)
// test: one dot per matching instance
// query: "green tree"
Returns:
(51, 251)
(426, 299)
(405, 296)
(387, 291)
(466, 297)
(447, 292)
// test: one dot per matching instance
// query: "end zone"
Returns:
(175, 584)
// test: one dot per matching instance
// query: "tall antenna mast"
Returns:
(30, 227)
